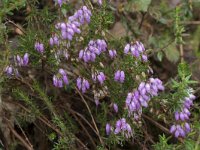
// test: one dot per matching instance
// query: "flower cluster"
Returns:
(180, 130)
(60, 79)
(123, 127)
(19, 61)
(119, 76)
(142, 95)
(22, 61)
(82, 84)
(10, 70)
(54, 40)
(112, 53)
(39, 47)
(94, 48)
(68, 29)
(137, 49)
(100, 77)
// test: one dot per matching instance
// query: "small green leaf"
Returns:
(184, 70)
(160, 55)
(142, 5)
(172, 53)
(138, 5)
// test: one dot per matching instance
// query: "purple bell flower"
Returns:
(108, 129)
(115, 107)
(119, 76)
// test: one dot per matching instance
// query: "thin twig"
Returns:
(25, 144)
(159, 126)
(82, 117)
(143, 16)
(26, 138)
(90, 114)
(93, 143)
(44, 120)
(17, 26)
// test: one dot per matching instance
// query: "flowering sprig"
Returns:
(182, 128)
(123, 127)
(11, 71)
(22, 61)
(112, 53)
(68, 30)
(54, 40)
(142, 95)
(119, 76)
(94, 48)
(39, 47)
(137, 50)
(82, 84)
(60, 79)
(100, 77)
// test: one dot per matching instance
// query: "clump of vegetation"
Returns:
(72, 83)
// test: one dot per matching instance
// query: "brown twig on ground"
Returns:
(159, 126)
(84, 101)
(26, 138)
(25, 144)
(44, 120)
(156, 123)
(17, 26)
(91, 139)
(148, 137)
(82, 117)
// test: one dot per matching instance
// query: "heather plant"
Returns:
(92, 90)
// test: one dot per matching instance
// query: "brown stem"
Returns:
(84, 101)
(181, 52)
(91, 139)
(82, 117)
(159, 126)
(25, 144)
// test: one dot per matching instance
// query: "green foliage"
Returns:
(181, 86)
(7, 6)
(163, 144)
(172, 53)
(42, 99)
(19, 94)
(138, 5)
(101, 20)
(179, 29)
